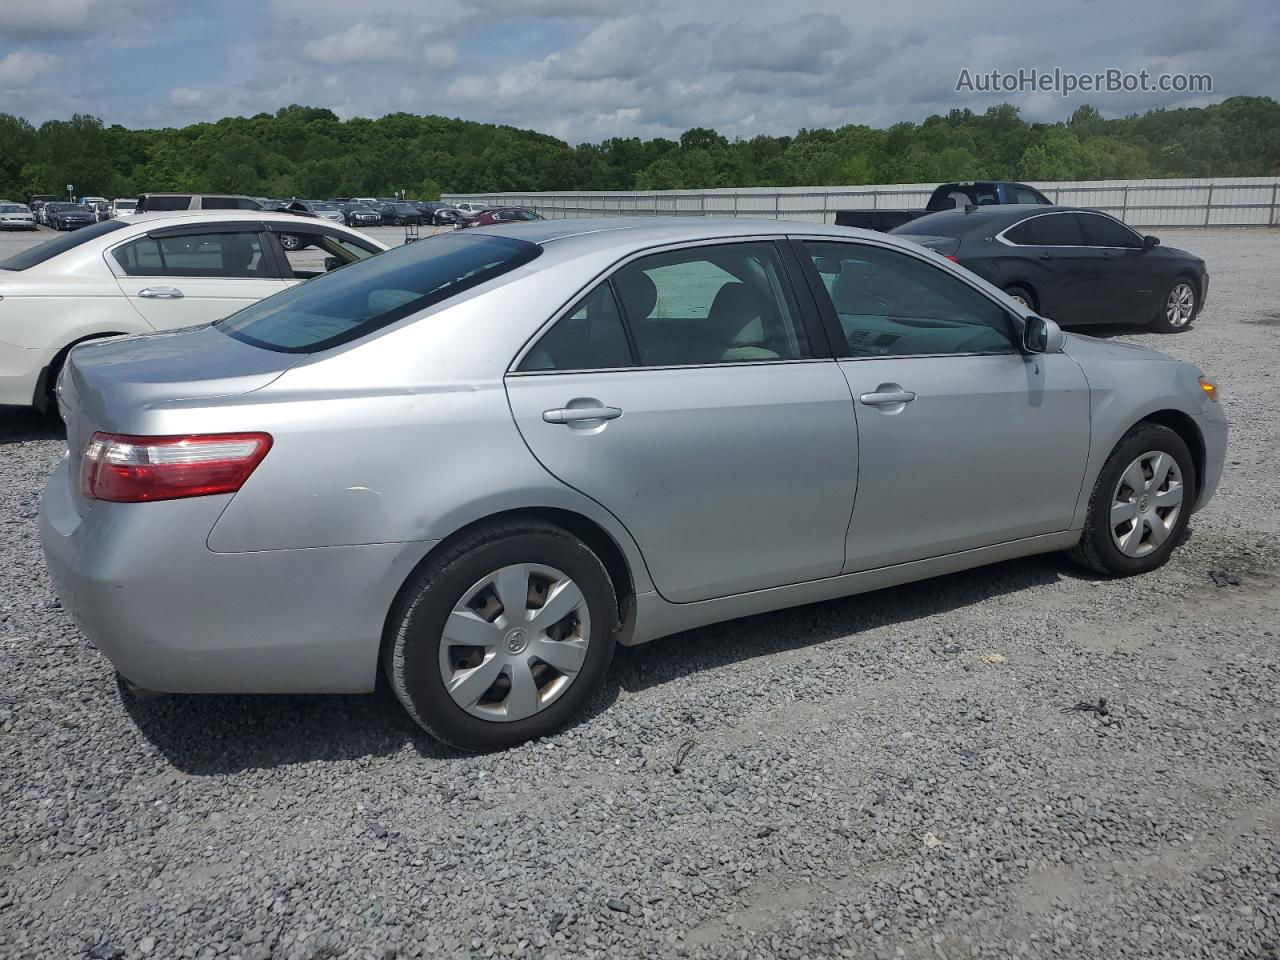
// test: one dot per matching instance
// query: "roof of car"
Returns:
(644, 230)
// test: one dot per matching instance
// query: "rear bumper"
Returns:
(172, 615)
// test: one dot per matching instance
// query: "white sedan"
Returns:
(146, 273)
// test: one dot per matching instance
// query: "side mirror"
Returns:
(1042, 335)
(332, 263)
(1149, 242)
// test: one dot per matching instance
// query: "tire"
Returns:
(290, 242)
(460, 587)
(1124, 489)
(1178, 307)
(1021, 294)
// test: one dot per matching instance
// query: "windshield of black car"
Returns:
(349, 303)
(59, 244)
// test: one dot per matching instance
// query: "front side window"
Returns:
(226, 255)
(727, 303)
(891, 304)
(1050, 230)
(349, 303)
(1100, 231)
(315, 250)
(590, 337)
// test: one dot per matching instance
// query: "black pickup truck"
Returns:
(948, 196)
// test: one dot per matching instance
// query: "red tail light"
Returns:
(128, 469)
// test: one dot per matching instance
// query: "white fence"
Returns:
(1227, 202)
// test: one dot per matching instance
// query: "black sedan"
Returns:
(360, 215)
(399, 213)
(69, 216)
(1075, 265)
(439, 214)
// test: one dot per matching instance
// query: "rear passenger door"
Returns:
(691, 393)
(1062, 271)
(184, 276)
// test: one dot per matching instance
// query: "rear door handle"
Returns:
(887, 396)
(160, 293)
(579, 414)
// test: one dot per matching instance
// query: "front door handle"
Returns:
(883, 397)
(579, 414)
(160, 293)
(1046, 255)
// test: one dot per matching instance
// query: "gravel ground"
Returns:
(891, 775)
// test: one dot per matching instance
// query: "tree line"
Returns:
(308, 152)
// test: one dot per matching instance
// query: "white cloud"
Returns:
(795, 46)
(617, 48)
(359, 43)
(23, 66)
(553, 8)
(45, 18)
(187, 97)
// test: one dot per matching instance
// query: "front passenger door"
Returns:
(185, 276)
(963, 440)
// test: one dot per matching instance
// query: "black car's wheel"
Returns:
(1140, 504)
(503, 637)
(1178, 308)
(1020, 293)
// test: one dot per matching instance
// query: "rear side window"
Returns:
(1100, 231)
(590, 337)
(358, 299)
(1051, 230)
(228, 255)
(59, 244)
(726, 303)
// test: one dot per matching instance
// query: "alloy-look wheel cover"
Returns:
(1180, 305)
(1146, 504)
(515, 642)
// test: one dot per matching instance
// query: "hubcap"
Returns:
(1146, 504)
(515, 642)
(1180, 305)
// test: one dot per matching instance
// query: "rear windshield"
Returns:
(59, 244)
(349, 303)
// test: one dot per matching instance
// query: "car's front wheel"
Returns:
(503, 637)
(1178, 308)
(1140, 503)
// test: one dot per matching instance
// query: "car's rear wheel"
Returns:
(1140, 503)
(503, 637)
(290, 241)
(1178, 308)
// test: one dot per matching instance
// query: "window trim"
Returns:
(1081, 214)
(1036, 216)
(831, 320)
(806, 310)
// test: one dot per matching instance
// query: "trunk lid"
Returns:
(112, 385)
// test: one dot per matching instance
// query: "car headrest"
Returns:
(638, 292)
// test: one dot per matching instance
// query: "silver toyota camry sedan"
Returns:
(480, 461)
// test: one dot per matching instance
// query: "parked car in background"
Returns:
(68, 216)
(438, 214)
(124, 207)
(37, 204)
(98, 205)
(153, 202)
(471, 208)
(399, 213)
(481, 462)
(16, 216)
(1073, 264)
(502, 215)
(144, 273)
(360, 215)
(948, 196)
(324, 209)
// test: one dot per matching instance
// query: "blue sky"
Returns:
(590, 69)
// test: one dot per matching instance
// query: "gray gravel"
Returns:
(885, 776)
